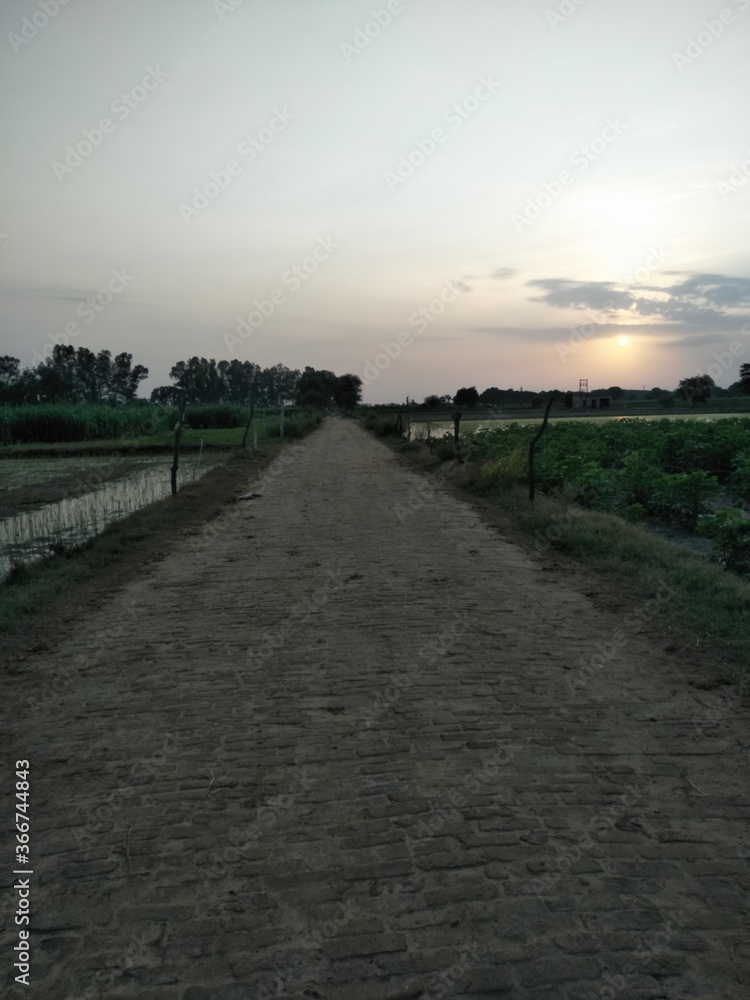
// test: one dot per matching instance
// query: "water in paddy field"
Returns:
(32, 534)
(440, 427)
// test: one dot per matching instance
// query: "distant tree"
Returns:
(165, 395)
(238, 381)
(616, 392)
(492, 396)
(277, 385)
(697, 388)
(567, 401)
(316, 388)
(124, 379)
(467, 397)
(744, 382)
(199, 380)
(347, 391)
(10, 379)
(432, 401)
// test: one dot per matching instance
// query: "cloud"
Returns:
(503, 273)
(602, 296)
(720, 290)
(708, 301)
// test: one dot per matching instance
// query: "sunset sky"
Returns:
(500, 193)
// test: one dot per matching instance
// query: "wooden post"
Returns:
(176, 452)
(247, 425)
(457, 437)
(532, 446)
(281, 421)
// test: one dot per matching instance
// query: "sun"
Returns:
(623, 341)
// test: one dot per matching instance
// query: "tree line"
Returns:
(72, 375)
(693, 389)
(78, 375)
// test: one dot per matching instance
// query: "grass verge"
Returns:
(701, 600)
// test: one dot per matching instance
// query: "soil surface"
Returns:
(348, 743)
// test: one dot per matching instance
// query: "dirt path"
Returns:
(335, 750)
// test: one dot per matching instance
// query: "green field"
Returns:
(84, 428)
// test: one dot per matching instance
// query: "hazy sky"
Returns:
(294, 180)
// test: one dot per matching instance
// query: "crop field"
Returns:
(691, 474)
(74, 424)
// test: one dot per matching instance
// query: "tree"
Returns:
(432, 401)
(744, 382)
(10, 379)
(124, 379)
(198, 379)
(616, 392)
(347, 391)
(696, 389)
(467, 397)
(316, 388)
(492, 396)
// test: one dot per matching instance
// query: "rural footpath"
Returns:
(346, 742)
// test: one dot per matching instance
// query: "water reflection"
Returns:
(36, 533)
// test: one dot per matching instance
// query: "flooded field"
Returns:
(439, 427)
(48, 504)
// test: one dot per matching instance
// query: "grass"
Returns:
(698, 598)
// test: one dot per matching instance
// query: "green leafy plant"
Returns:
(731, 530)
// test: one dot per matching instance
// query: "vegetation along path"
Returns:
(347, 743)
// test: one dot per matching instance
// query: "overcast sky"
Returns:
(498, 191)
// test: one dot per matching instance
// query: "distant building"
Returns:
(591, 401)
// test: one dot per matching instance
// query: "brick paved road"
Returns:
(350, 744)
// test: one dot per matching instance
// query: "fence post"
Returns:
(247, 425)
(176, 452)
(456, 437)
(532, 446)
